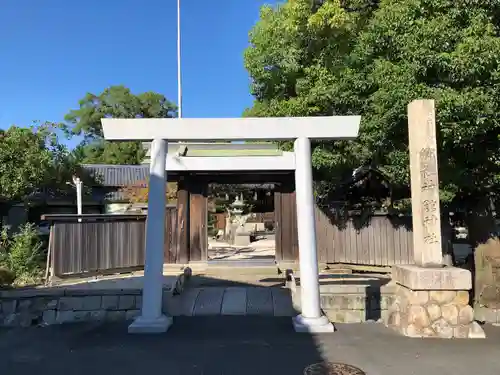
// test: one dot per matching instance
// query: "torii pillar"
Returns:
(299, 129)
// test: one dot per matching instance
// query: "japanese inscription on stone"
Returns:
(429, 181)
(424, 183)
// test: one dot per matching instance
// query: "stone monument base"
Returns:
(242, 239)
(433, 302)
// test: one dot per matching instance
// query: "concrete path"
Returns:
(238, 345)
(212, 301)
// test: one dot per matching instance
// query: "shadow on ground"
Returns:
(255, 344)
(199, 345)
(237, 345)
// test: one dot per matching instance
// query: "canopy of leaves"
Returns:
(32, 159)
(372, 58)
(117, 102)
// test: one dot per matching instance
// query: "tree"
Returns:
(32, 159)
(118, 102)
(138, 192)
(372, 58)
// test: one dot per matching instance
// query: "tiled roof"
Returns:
(118, 175)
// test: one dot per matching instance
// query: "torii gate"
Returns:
(299, 129)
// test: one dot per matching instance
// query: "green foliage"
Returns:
(32, 159)
(372, 58)
(22, 255)
(117, 102)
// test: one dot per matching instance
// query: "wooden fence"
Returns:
(100, 243)
(380, 240)
(261, 217)
(219, 220)
(115, 242)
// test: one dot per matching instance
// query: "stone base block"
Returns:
(433, 313)
(312, 325)
(144, 325)
(421, 278)
(242, 240)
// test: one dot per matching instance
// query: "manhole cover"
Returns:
(331, 368)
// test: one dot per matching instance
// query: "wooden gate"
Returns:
(285, 211)
(171, 238)
(198, 220)
(187, 241)
(191, 221)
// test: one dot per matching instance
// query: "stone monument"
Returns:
(239, 236)
(432, 300)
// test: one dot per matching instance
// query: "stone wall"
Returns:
(352, 303)
(24, 308)
(433, 313)
(356, 304)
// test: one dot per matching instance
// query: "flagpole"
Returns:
(179, 79)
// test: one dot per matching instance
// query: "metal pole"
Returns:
(78, 184)
(179, 79)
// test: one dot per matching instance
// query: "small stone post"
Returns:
(431, 300)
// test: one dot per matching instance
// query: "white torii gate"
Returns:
(299, 129)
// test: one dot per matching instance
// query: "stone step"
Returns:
(236, 280)
(230, 301)
(221, 267)
(222, 270)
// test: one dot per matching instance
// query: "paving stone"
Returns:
(9, 307)
(282, 302)
(181, 305)
(109, 302)
(52, 304)
(126, 303)
(209, 301)
(49, 317)
(25, 304)
(65, 316)
(259, 301)
(234, 301)
(132, 314)
(70, 303)
(91, 303)
(138, 302)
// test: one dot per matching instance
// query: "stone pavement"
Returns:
(236, 300)
(261, 249)
(237, 346)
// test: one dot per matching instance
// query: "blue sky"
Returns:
(54, 51)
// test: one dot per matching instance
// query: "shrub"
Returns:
(7, 277)
(22, 254)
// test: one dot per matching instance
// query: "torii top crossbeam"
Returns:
(231, 129)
